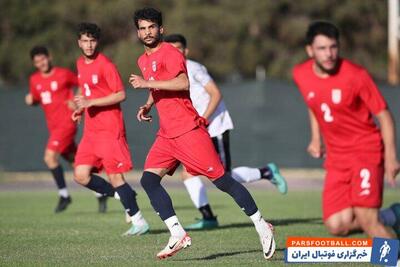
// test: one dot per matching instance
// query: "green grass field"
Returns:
(31, 234)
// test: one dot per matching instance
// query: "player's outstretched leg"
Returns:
(246, 202)
(269, 172)
(198, 194)
(162, 204)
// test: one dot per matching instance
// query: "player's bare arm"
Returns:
(315, 148)
(142, 114)
(215, 97)
(392, 166)
(179, 83)
(109, 100)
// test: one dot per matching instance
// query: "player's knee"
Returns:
(337, 228)
(224, 183)
(116, 180)
(81, 176)
(50, 160)
(149, 181)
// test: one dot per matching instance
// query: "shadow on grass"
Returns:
(228, 254)
(279, 222)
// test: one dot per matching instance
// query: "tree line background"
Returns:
(231, 38)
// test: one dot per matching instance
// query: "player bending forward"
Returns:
(342, 101)
(103, 144)
(207, 100)
(182, 138)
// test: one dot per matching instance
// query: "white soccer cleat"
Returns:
(267, 241)
(174, 245)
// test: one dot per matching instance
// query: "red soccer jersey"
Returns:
(343, 105)
(53, 93)
(176, 112)
(98, 79)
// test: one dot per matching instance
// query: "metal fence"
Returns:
(270, 119)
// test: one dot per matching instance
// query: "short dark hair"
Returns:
(321, 27)
(176, 38)
(90, 29)
(147, 13)
(39, 50)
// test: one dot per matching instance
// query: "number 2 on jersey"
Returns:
(327, 112)
(365, 185)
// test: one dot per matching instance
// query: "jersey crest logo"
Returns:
(38, 87)
(336, 96)
(310, 95)
(154, 66)
(54, 85)
(95, 79)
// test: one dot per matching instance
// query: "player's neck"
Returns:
(49, 72)
(323, 73)
(90, 59)
(150, 50)
(320, 72)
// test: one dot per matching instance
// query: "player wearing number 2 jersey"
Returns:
(342, 101)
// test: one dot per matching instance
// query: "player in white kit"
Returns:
(208, 102)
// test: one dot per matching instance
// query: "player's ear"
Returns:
(161, 29)
(309, 51)
(186, 52)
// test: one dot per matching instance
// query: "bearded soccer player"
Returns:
(207, 100)
(343, 100)
(52, 88)
(182, 137)
(104, 144)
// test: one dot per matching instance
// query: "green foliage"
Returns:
(227, 36)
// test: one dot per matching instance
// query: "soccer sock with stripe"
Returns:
(238, 192)
(128, 198)
(161, 202)
(99, 185)
(246, 174)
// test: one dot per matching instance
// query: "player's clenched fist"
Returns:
(137, 81)
(142, 114)
(315, 149)
(29, 100)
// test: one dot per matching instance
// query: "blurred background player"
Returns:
(52, 88)
(343, 100)
(207, 100)
(103, 144)
(182, 137)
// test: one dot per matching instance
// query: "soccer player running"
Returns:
(52, 88)
(342, 100)
(103, 144)
(207, 100)
(182, 138)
